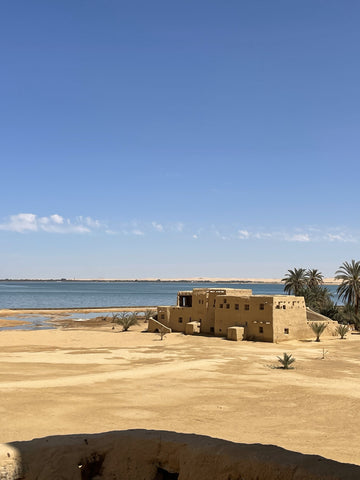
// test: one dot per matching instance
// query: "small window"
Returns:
(247, 306)
(211, 329)
(224, 300)
(236, 306)
(162, 316)
(199, 302)
(221, 305)
(220, 330)
(262, 306)
(284, 307)
(261, 329)
(286, 331)
(180, 320)
(228, 305)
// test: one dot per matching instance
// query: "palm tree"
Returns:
(317, 298)
(349, 289)
(346, 315)
(314, 278)
(295, 281)
(318, 328)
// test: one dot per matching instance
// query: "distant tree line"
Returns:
(309, 283)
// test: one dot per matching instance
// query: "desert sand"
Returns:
(89, 378)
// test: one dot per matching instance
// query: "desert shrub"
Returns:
(342, 330)
(125, 320)
(149, 313)
(117, 316)
(318, 328)
(162, 332)
(286, 360)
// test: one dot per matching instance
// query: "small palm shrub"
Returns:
(149, 313)
(342, 330)
(318, 328)
(117, 316)
(286, 360)
(125, 320)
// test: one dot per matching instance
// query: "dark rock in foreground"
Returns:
(160, 455)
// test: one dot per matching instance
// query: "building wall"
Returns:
(289, 318)
(252, 312)
(203, 301)
(179, 317)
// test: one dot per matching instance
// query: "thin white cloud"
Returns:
(243, 234)
(137, 232)
(29, 222)
(90, 222)
(298, 237)
(55, 223)
(301, 235)
(178, 227)
(157, 226)
(57, 219)
(264, 235)
(23, 222)
(218, 233)
(339, 237)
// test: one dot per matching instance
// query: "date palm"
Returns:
(286, 360)
(318, 328)
(314, 278)
(318, 298)
(295, 281)
(342, 330)
(349, 289)
(126, 320)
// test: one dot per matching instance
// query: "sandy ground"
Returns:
(88, 378)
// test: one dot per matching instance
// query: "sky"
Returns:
(166, 139)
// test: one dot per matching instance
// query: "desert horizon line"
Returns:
(327, 280)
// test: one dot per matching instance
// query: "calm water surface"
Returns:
(110, 294)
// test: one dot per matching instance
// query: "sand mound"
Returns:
(160, 455)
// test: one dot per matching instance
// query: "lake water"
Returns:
(45, 294)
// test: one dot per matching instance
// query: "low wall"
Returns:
(160, 455)
(192, 327)
(235, 333)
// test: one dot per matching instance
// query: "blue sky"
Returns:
(166, 139)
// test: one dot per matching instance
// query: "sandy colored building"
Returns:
(239, 315)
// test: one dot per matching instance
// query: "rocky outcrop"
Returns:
(160, 455)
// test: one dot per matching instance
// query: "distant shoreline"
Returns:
(327, 281)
